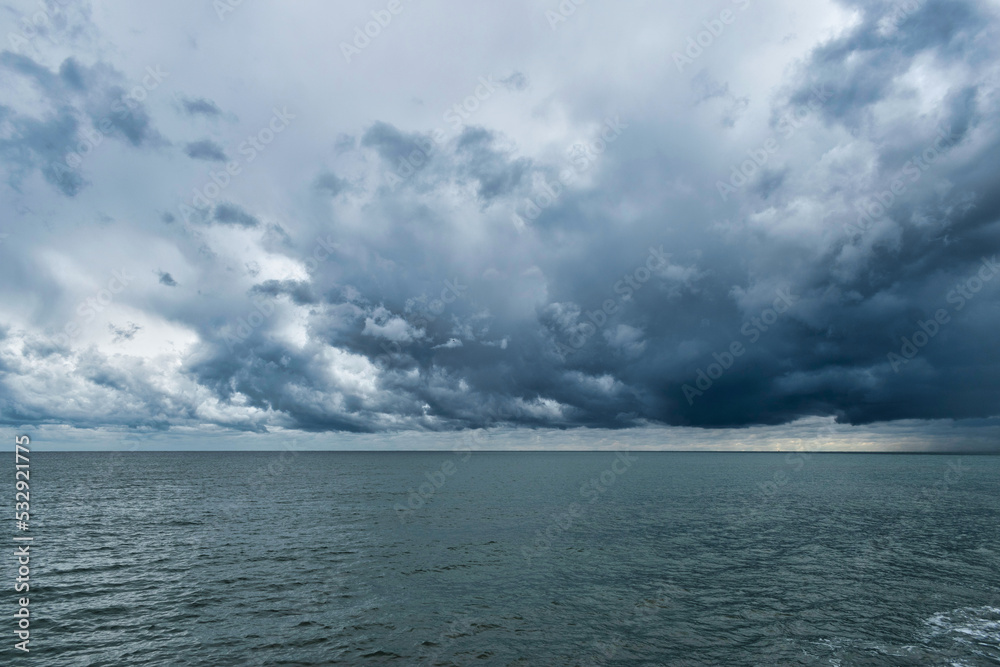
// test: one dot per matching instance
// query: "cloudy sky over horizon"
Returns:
(740, 224)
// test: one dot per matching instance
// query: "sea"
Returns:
(510, 558)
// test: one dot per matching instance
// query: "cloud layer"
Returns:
(716, 216)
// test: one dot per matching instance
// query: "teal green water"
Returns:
(514, 559)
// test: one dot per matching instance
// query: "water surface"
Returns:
(514, 559)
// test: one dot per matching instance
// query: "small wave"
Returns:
(979, 623)
(969, 632)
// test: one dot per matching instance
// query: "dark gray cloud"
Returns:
(516, 81)
(330, 184)
(87, 106)
(42, 144)
(206, 149)
(232, 214)
(761, 240)
(861, 67)
(395, 146)
(123, 333)
(300, 292)
(494, 171)
(344, 143)
(200, 106)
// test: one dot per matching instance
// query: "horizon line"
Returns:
(519, 451)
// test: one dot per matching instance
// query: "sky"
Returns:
(403, 224)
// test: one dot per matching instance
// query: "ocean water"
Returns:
(511, 558)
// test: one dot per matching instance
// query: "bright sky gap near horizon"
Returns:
(735, 225)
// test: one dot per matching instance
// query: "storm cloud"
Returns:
(794, 218)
